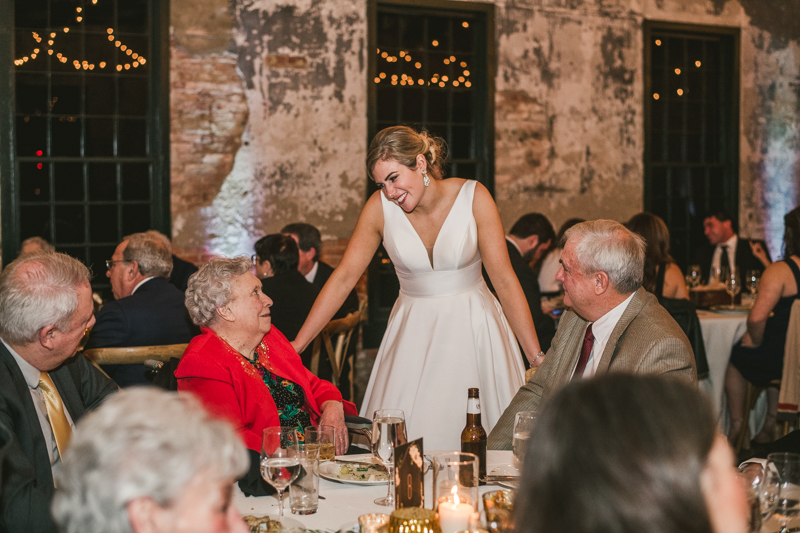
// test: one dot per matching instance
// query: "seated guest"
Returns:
(147, 310)
(528, 240)
(45, 308)
(291, 294)
(663, 277)
(629, 454)
(612, 325)
(181, 270)
(245, 370)
(758, 357)
(725, 248)
(149, 461)
(35, 244)
(548, 284)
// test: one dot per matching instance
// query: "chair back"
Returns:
(339, 331)
(133, 355)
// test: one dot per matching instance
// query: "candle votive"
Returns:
(497, 508)
(413, 520)
(455, 473)
(373, 523)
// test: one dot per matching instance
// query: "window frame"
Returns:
(158, 131)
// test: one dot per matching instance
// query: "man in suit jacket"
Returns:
(529, 239)
(45, 308)
(181, 270)
(720, 230)
(317, 272)
(613, 324)
(147, 310)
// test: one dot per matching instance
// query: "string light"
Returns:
(656, 96)
(658, 42)
(697, 64)
(680, 92)
(678, 71)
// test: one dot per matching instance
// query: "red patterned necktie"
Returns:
(586, 350)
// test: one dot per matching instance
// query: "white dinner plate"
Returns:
(331, 468)
(728, 310)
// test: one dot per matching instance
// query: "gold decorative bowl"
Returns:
(414, 520)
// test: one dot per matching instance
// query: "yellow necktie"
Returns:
(55, 412)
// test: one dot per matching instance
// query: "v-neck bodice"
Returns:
(455, 248)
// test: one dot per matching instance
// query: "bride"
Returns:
(446, 332)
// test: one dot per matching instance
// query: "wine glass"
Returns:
(388, 431)
(523, 425)
(279, 466)
(753, 280)
(784, 470)
(693, 276)
(762, 493)
(733, 283)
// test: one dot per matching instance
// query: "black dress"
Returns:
(764, 363)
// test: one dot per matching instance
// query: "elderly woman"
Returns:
(244, 369)
(150, 461)
(758, 357)
(627, 453)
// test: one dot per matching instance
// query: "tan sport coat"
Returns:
(646, 340)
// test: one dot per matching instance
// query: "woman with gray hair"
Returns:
(150, 460)
(245, 370)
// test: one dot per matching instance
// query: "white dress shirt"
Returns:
(717, 257)
(32, 375)
(601, 329)
(312, 273)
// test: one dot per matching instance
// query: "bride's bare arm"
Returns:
(494, 253)
(363, 243)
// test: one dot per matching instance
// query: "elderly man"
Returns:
(613, 324)
(45, 308)
(529, 239)
(148, 310)
(181, 270)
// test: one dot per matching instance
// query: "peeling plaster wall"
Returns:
(569, 113)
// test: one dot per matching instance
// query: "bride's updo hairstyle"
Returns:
(403, 144)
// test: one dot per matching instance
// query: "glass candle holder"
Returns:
(414, 520)
(373, 523)
(455, 489)
(497, 508)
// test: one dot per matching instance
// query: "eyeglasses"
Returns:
(254, 259)
(110, 263)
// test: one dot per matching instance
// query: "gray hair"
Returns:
(210, 287)
(43, 245)
(142, 442)
(163, 239)
(37, 290)
(150, 253)
(608, 246)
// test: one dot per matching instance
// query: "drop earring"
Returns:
(425, 179)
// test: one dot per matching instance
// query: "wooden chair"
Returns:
(342, 330)
(134, 355)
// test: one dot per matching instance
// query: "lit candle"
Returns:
(454, 516)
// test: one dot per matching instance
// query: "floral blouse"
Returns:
(289, 398)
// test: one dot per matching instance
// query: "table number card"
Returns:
(409, 479)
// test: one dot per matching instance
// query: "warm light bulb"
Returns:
(418, 64)
(697, 64)
(435, 43)
(658, 42)
(678, 71)
(680, 92)
(656, 96)
(465, 24)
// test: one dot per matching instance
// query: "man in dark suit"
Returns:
(147, 310)
(529, 239)
(613, 324)
(725, 248)
(45, 308)
(292, 294)
(181, 270)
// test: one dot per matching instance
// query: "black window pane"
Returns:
(31, 135)
(35, 221)
(387, 103)
(24, 50)
(412, 103)
(136, 181)
(100, 95)
(62, 14)
(437, 105)
(104, 223)
(658, 56)
(34, 182)
(132, 137)
(133, 97)
(30, 14)
(31, 93)
(69, 224)
(438, 33)
(462, 106)
(460, 142)
(78, 252)
(387, 30)
(132, 16)
(66, 94)
(98, 52)
(66, 132)
(68, 181)
(411, 31)
(97, 260)
(462, 36)
(102, 182)
(465, 170)
(99, 137)
(135, 218)
(659, 182)
(99, 16)
(134, 45)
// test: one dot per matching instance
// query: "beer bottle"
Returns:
(473, 438)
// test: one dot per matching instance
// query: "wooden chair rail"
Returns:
(133, 355)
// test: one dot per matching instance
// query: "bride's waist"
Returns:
(440, 283)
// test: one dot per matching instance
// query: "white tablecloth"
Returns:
(344, 503)
(720, 333)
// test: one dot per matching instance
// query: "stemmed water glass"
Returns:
(783, 469)
(279, 465)
(753, 280)
(693, 276)
(762, 493)
(733, 283)
(388, 431)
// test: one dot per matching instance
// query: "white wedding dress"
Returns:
(446, 333)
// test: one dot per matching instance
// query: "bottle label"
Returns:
(473, 406)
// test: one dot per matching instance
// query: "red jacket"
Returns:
(230, 387)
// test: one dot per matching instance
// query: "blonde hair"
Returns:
(403, 144)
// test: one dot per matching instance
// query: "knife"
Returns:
(497, 478)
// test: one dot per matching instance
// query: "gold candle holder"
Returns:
(373, 523)
(497, 508)
(414, 520)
